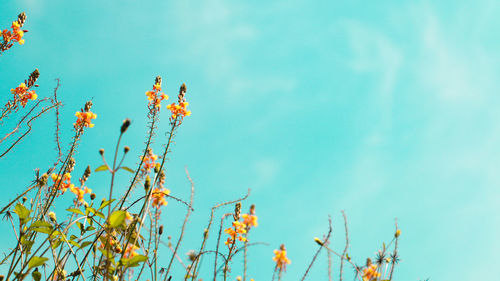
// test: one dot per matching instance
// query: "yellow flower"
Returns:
(280, 258)
(370, 272)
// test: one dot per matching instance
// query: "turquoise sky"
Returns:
(385, 109)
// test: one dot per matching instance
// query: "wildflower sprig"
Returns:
(149, 161)
(280, 258)
(180, 109)
(155, 96)
(16, 35)
(84, 119)
(22, 94)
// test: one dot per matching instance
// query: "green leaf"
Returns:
(117, 218)
(101, 215)
(136, 260)
(81, 227)
(56, 243)
(74, 243)
(90, 210)
(36, 261)
(22, 212)
(76, 211)
(128, 169)
(37, 276)
(101, 168)
(106, 253)
(105, 203)
(85, 244)
(42, 230)
(25, 240)
(40, 224)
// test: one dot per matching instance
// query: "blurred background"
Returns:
(384, 109)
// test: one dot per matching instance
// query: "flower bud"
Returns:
(317, 240)
(52, 216)
(125, 125)
(126, 149)
(398, 232)
(101, 151)
(147, 183)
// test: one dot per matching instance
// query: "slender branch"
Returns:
(320, 247)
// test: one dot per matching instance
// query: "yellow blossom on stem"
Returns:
(235, 232)
(84, 119)
(155, 96)
(80, 192)
(179, 110)
(280, 258)
(158, 197)
(149, 161)
(16, 35)
(250, 219)
(62, 182)
(370, 273)
(22, 94)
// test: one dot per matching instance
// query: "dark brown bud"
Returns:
(101, 151)
(237, 211)
(32, 79)
(158, 80)
(182, 93)
(192, 255)
(71, 165)
(126, 149)
(86, 175)
(125, 125)
(88, 106)
(252, 209)
(25, 199)
(21, 18)
(160, 230)
(92, 196)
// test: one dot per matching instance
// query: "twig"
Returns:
(320, 247)
(346, 246)
(184, 223)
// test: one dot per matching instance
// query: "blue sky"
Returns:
(384, 109)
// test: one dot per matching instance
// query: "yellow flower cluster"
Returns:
(158, 197)
(280, 258)
(23, 95)
(16, 35)
(370, 273)
(179, 109)
(236, 232)
(156, 96)
(149, 160)
(62, 182)
(84, 119)
(80, 192)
